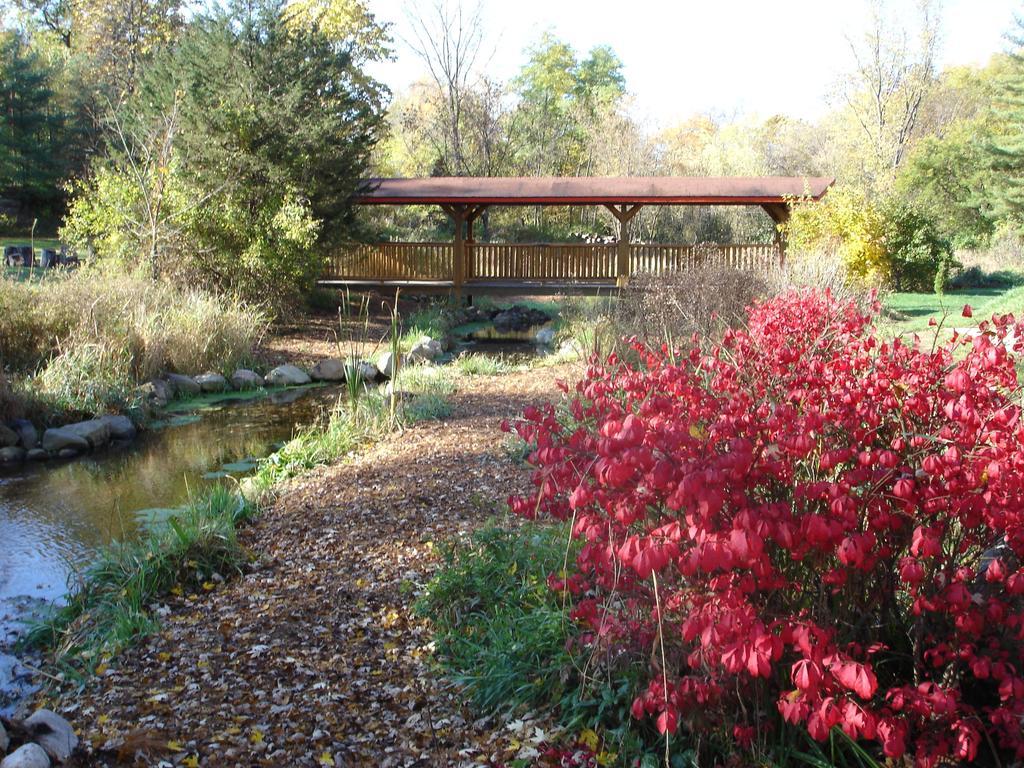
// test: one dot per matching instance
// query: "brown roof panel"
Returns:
(593, 190)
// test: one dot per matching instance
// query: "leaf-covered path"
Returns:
(314, 657)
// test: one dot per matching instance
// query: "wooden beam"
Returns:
(780, 214)
(458, 215)
(624, 214)
(472, 215)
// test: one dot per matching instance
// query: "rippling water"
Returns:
(54, 515)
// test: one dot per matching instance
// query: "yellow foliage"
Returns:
(342, 21)
(848, 224)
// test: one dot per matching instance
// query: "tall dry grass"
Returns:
(84, 339)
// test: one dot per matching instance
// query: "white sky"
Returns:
(721, 57)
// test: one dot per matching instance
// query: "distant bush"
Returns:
(705, 299)
(271, 260)
(919, 256)
(881, 243)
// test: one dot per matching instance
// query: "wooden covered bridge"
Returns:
(464, 265)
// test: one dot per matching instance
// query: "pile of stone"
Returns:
(20, 441)
(516, 319)
(41, 740)
(519, 319)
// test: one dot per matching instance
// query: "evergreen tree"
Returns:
(31, 126)
(1007, 148)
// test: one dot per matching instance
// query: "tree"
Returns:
(1006, 149)
(276, 126)
(449, 40)
(889, 83)
(31, 126)
(349, 23)
(951, 178)
(55, 15)
(117, 36)
(546, 86)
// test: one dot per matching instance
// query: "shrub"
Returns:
(886, 242)
(802, 525)
(848, 224)
(918, 254)
(705, 299)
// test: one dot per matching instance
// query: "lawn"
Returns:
(908, 313)
(40, 242)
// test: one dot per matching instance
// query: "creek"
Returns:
(53, 516)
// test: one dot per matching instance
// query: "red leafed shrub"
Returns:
(803, 522)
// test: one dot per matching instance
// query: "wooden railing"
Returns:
(530, 262)
(658, 257)
(392, 261)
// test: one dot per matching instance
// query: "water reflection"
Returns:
(52, 516)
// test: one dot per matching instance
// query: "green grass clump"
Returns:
(505, 636)
(500, 630)
(356, 422)
(425, 380)
(428, 321)
(428, 408)
(475, 364)
(347, 427)
(110, 605)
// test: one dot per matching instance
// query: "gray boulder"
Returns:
(157, 393)
(121, 427)
(367, 371)
(184, 385)
(211, 382)
(287, 376)
(386, 364)
(37, 454)
(53, 733)
(68, 453)
(12, 454)
(95, 431)
(27, 756)
(545, 336)
(243, 378)
(28, 436)
(8, 437)
(61, 438)
(331, 369)
(426, 349)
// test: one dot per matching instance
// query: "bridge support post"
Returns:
(623, 214)
(779, 213)
(459, 215)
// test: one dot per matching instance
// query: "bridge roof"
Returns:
(593, 190)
